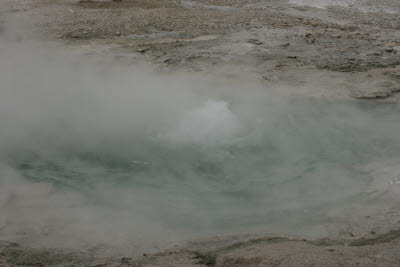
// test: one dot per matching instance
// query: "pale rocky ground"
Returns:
(335, 51)
(340, 51)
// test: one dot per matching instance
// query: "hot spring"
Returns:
(120, 156)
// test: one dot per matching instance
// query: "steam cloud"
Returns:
(94, 153)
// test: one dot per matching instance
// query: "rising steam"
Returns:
(108, 154)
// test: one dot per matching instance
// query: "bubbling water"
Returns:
(126, 158)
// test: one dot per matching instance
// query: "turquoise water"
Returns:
(292, 171)
(108, 155)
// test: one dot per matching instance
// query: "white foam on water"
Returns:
(210, 123)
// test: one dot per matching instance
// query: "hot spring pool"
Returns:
(98, 156)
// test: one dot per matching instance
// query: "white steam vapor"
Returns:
(168, 157)
(50, 101)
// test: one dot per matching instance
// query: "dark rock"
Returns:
(255, 41)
